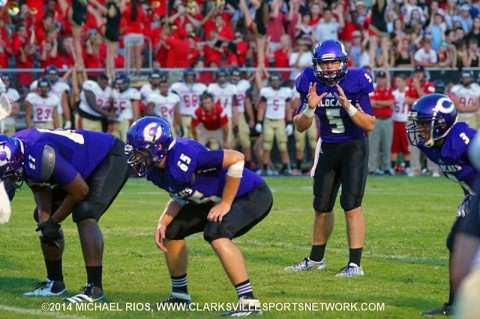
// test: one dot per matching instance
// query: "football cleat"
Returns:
(445, 310)
(90, 293)
(245, 307)
(178, 297)
(352, 270)
(307, 264)
(48, 288)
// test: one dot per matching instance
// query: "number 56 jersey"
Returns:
(336, 126)
(194, 173)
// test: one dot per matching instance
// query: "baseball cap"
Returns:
(465, 7)
(419, 68)
(467, 74)
(359, 3)
(356, 33)
(381, 74)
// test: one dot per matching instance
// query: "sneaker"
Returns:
(435, 174)
(445, 310)
(297, 172)
(178, 297)
(245, 307)
(48, 288)
(90, 293)
(389, 172)
(352, 270)
(307, 264)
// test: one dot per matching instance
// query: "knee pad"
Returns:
(320, 205)
(282, 146)
(350, 202)
(218, 230)
(173, 232)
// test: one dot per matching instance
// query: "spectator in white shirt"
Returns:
(426, 56)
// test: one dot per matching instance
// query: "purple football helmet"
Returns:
(148, 141)
(326, 51)
(435, 113)
(11, 158)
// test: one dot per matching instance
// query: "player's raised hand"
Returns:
(342, 98)
(312, 96)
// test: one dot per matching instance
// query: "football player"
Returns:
(340, 99)
(466, 97)
(41, 109)
(244, 112)
(189, 92)
(69, 172)
(153, 87)
(435, 131)
(126, 104)
(275, 106)
(225, 93)
(13, 96)
(61, 90)
(167, 106)
(95, 104)
(210, 192)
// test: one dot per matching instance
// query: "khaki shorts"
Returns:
(271, 129)
(214, 138)
(312, 135)
(120, 129)
(43, 125)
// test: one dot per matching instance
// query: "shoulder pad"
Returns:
(48, 162)
(358, 81)
(303, 80)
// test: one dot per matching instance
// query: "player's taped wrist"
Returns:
(236, 170)
(352, 111)
(309, 112)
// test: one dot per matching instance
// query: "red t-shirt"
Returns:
(242, 48)
(133, 26)
(212, 120)
(382, 94)
(426, 87)
(281, 61)
(177, 52)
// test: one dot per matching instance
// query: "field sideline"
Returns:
(405, 258)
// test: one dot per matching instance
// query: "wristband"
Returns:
(352, 111)
(309, 112)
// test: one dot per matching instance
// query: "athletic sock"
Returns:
(54, 269)
(179, 283)
(94, 275)
(244, 289)
(317, 252)
(355, 256)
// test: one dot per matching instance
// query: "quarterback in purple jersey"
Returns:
(69, 172)
(339, 97)
(210, 192)
(435, 131)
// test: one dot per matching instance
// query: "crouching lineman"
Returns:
(210, 192)
(69, 172)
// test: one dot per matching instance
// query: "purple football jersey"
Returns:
(336, 126)
(194, 173)
(452, 158)
(76, 151)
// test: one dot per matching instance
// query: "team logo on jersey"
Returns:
(5, 155)
(152, 132)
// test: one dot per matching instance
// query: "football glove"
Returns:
(49, 231)
(259, 127)
(462, 209)
(5, 208)
(289, 128)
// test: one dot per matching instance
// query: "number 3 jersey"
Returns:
(452, 158)
(194, 173)
(336, 126)
(56, 157)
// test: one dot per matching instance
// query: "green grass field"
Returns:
(405, 258)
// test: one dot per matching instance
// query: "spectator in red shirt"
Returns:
(178, 47)
(380, 139)
(281, 56)
(212, 50)
(25, 57)
(20, 38)
(134, 17)
(210, 123)
(242, 47)
(5, 45)
(231, 55)
(65, 59)
(276, 24)
(49, 49)
(315, 14)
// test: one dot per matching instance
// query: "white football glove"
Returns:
(289, 129)
(5, 208)
(462, 209)
(258, 127)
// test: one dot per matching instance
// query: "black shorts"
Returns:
(472, 220)
(343, 164)
(246, 212)
(104, 184)
(78, 12)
